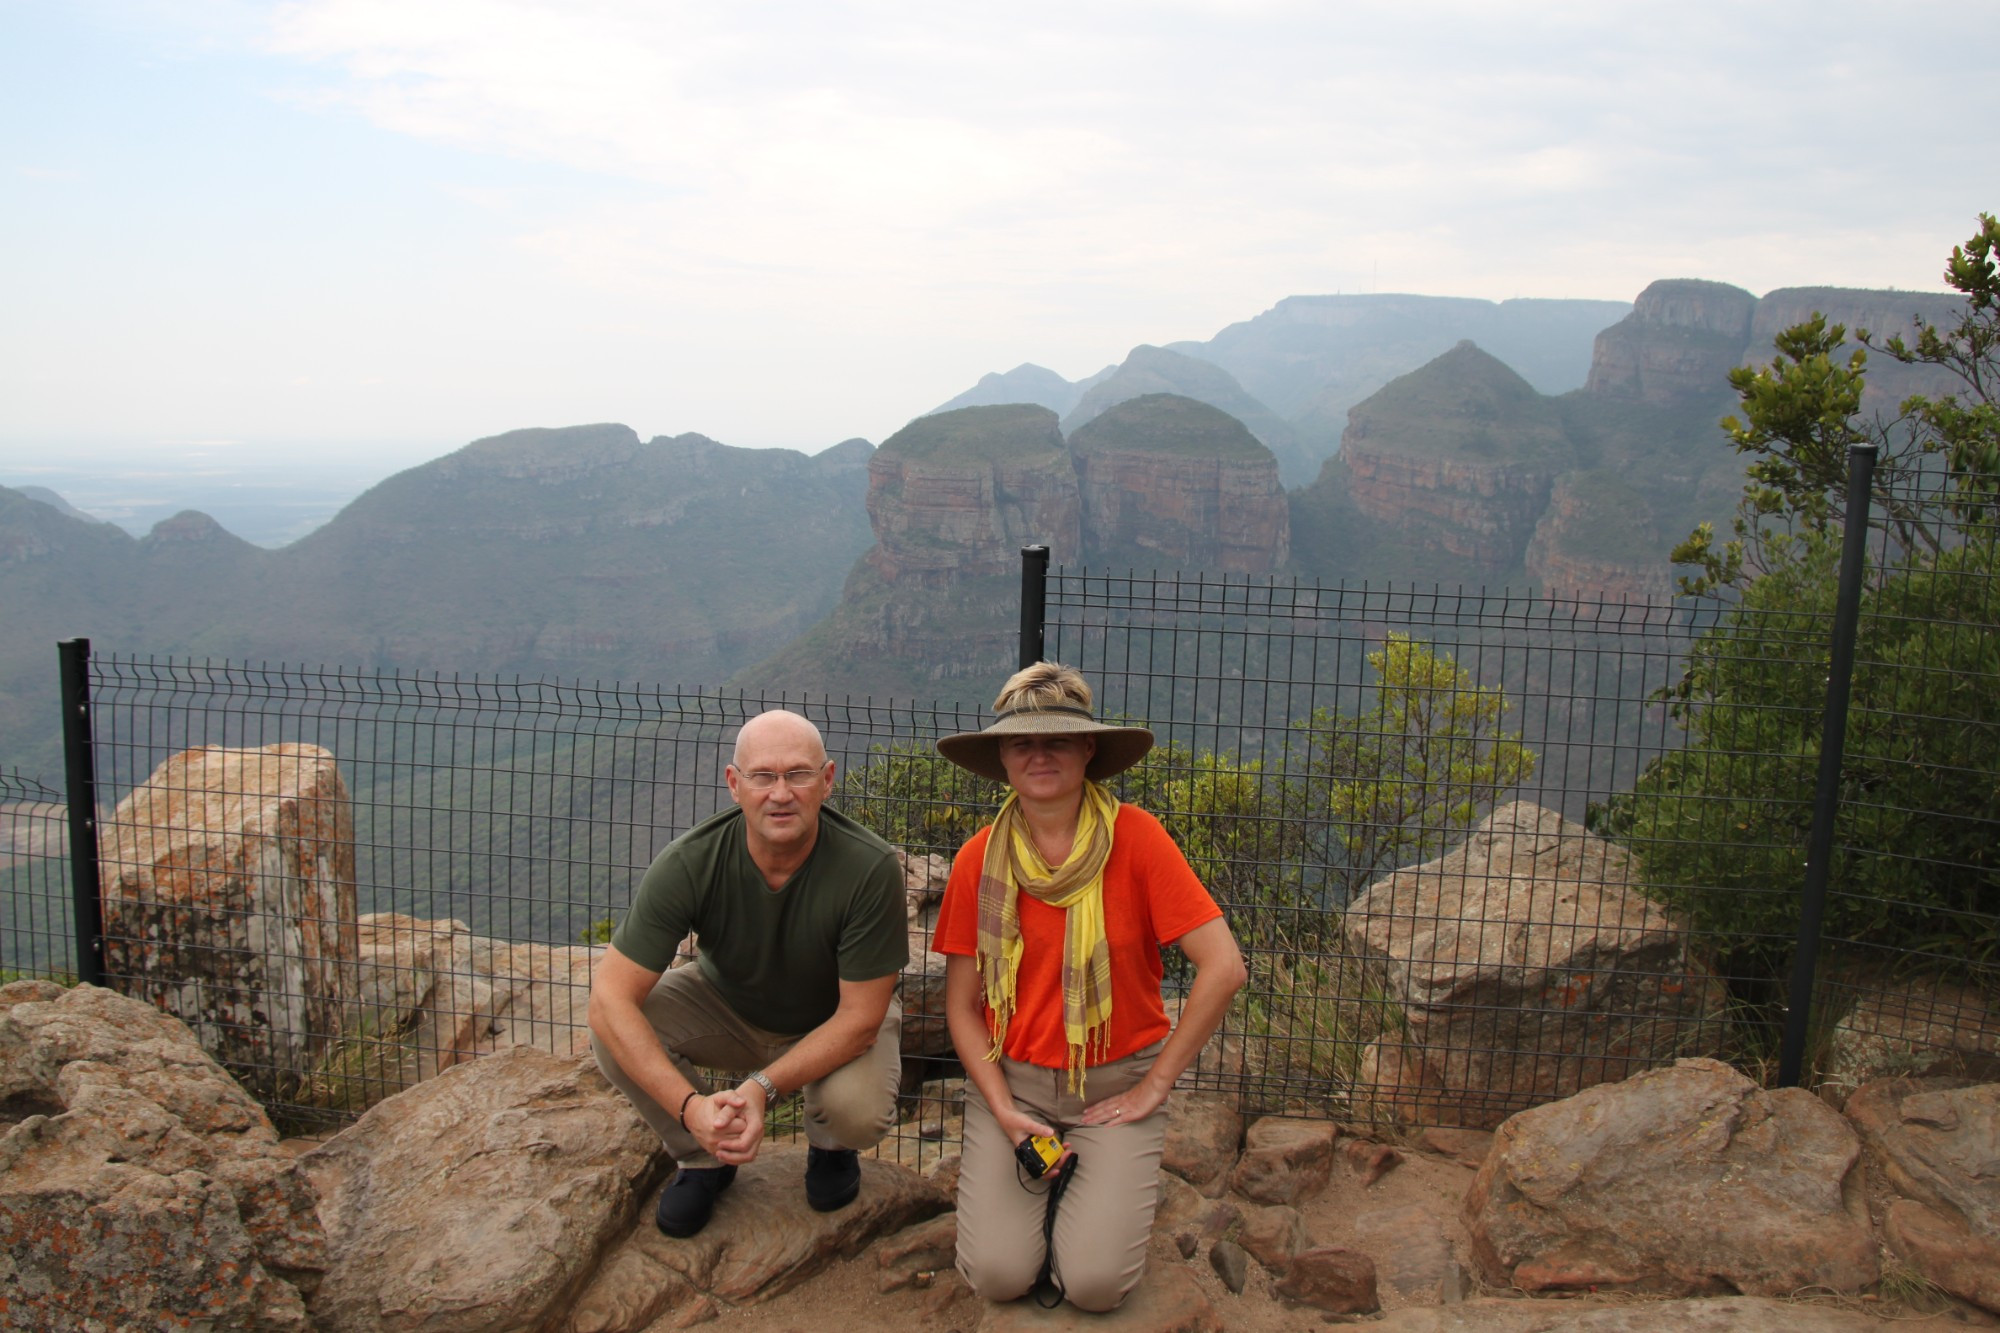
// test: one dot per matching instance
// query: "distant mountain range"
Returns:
(1292, 373)
(1476, 443)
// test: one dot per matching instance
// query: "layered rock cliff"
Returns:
(1156, 370)
(1679, 343)
(959, 493)
(1167, 480)
(1459, 455)
(1160, 481)
(1598, 538)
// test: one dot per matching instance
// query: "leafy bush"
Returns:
(1720, 827)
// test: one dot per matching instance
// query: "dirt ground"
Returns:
(846, 1299)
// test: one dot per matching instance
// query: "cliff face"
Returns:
(1598, 538)
(1172, 481)
(1483, 513)
(1678, 344)
(1159, 480)
(1458, 455)
(959, 493)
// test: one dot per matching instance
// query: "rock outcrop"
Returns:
(958, 494)
(762, 1242)
(140, 1186)
(1597, 539)
(1459, 454)
(458, 995)
(1526, 966)
(1155, 370)
(483, 1199)
(228, 882)
(1678, 345)
(1168, 480)
(1683, 1181)
(1937, 1144)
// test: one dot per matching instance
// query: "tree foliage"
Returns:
(1407, 777)
(1721, 825)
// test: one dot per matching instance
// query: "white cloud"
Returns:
(890, 199)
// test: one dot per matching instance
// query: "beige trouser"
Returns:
(853, 1107)
(1103, 1223)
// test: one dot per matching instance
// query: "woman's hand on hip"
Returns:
(1135, 1103)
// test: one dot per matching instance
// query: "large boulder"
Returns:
(1684, 1181)
(228, 886)
(482, 1199)
(140, 1186)
(1526, 967)
(1937, 1143)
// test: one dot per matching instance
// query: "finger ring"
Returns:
(1117, 1110)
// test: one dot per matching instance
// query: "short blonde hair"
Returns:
(1044, 685)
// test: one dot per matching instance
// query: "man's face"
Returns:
(785, 814)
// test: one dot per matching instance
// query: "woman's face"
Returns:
(1046, 768)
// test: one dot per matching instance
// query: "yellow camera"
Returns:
(1039, 1155)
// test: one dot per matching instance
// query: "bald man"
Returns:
(802, 932)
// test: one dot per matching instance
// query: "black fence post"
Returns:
(1034, 602)
(1832, 746)
(80, 770)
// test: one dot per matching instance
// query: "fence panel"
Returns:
(498, 828)
(37, 937)
(1325, 754)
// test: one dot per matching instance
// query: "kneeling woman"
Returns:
(1052, 926)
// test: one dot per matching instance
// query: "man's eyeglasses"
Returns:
(763, 779)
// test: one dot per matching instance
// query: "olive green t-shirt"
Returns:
(777, 956)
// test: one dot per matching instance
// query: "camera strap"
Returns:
(1047, 1279)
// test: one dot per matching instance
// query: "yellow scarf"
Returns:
(1013, 865)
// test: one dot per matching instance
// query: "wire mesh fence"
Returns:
(1481, 849)
(37, 933)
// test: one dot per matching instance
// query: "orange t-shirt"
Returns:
(1151, 897)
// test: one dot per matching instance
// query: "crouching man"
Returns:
(802, 932)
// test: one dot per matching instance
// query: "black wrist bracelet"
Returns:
(682, 1114)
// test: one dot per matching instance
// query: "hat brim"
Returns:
(1118, 748)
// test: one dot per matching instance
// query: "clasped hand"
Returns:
(729, 1125)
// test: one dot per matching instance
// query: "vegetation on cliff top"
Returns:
(979, 435)
(1464, 405)
(1167, 423)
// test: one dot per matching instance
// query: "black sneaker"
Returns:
(833, 1177)
(685, 1205)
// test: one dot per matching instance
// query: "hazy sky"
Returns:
(404, 224)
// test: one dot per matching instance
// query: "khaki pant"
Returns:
(1104, 1221)
(853, 1107)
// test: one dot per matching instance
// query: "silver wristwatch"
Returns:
(763, 1080)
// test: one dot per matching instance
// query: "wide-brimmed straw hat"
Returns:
(1118, 748)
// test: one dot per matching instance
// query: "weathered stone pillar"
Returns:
(229, 902)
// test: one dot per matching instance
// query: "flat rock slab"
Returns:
(762, 1242)
(481, 1199)
(1167, 1300)
(1725, 1314)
